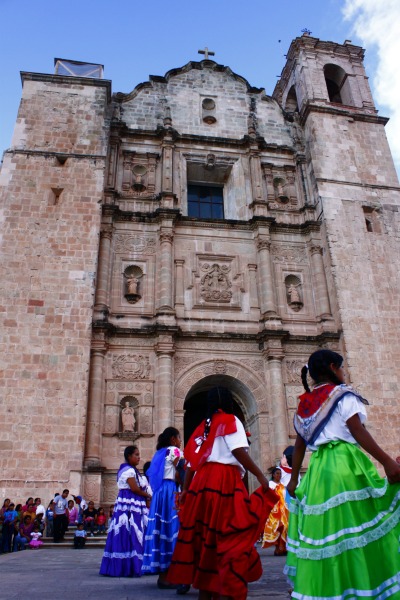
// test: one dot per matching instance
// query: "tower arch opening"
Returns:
(337, 84)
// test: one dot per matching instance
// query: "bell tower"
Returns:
(325, 92)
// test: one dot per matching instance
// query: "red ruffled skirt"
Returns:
(220, 524)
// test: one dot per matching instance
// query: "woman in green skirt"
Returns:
(344, 525)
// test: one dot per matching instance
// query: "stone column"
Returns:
(101, 301)
(95, 408)
(165, 279)
(164, 402)
(320, 285)
(267, 300)
(278, 410)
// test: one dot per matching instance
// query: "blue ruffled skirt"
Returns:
(123, 554)
(162, 529)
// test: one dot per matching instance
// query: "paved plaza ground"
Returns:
(60, 574)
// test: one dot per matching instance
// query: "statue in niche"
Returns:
(293, 297)
(128, 418)
(132, 276)
(133, 285)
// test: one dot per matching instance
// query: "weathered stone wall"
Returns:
(50, 215)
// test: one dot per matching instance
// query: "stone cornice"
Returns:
(282, 335)
(210, 141)
(351, 112)
(53, 154)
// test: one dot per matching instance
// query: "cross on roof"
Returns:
(206, 52)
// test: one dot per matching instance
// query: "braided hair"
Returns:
(319, 367)
(164, 439)
(217, 397)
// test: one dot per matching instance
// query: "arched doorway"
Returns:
(195, 411)
(195, 404)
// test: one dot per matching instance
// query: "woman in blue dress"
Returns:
(123, 554)
(163, 526)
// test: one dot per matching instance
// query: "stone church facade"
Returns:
(193, 232)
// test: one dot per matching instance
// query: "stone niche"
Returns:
(139, 174)
(281, 186)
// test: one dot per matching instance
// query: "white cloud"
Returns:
(376, 23)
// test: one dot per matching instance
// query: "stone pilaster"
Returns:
(267, 299)
(179, 287)
(320, 285)
(95, 408)
(274, 355)
(165, 350)
(165, 278)
(253, 286)
(101, 306)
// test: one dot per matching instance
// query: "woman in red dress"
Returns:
(220, 522)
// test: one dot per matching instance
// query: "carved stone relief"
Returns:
(137, 244)
(130, 366)
(217, 281)
(293, 370)
(288, 254)
(215, 284)
(181, 362)
(110, 489)
(146, 420)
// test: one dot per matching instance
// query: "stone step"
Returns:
(94, 542)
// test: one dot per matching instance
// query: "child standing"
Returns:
(79, 537)
(101, 521)
(35, 538)
(163, 525)
(50, 519)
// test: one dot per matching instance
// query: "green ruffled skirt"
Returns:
(344, 528)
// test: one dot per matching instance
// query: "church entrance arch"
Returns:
(195, 405)
(248, 391)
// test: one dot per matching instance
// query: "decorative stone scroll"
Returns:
(134, 244)
(130, 366)
(215, 285)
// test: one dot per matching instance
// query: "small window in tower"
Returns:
(206, 201)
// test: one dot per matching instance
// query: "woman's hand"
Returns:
(392, 470)
(263, 482)
(182, 497)
(291, 488)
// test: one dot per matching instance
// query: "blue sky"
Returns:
(135, 39)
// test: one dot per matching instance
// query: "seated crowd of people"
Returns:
(24, 525)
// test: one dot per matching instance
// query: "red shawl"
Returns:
(198, 449)
(310, 402)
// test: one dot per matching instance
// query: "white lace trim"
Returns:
(386, 589)
(123, 555)
(345, 545)
(393, 511)
(350, 496)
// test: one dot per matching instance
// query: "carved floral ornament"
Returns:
(130, 366)
(215, 284)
